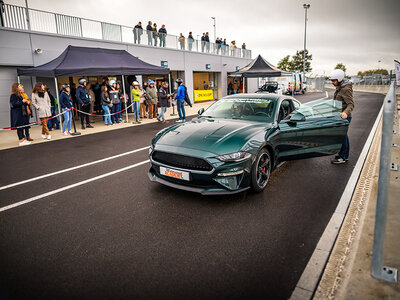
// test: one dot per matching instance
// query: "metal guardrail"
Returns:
(380, 271)
(18, 17)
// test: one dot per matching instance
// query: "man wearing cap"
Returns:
(180, 100)
(82, 96)
(343, 93)
(136, 101)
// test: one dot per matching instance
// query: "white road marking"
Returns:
(71, 169)
(72, 186)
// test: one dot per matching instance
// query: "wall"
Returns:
(20, 46)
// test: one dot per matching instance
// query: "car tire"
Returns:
(261, 170)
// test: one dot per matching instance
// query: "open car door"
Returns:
(314, 129)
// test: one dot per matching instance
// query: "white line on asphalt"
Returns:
(71, 169)
(71, 186)
(312, 273)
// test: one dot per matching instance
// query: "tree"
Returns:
(341, 67)
(295, 64)
(370, 72)
(285, 64)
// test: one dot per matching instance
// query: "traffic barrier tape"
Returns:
(89, 114)
(33, 124)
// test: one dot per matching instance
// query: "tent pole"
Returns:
(18, 80)
(244, 85)
(126, 100)
(173, 107)
(58, 102)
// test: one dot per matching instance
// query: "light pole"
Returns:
(215, 30)
(306, 6)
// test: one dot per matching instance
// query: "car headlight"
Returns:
(234, 157)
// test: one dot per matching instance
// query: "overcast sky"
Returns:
(357, 33)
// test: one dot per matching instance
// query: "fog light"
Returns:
(230, 173)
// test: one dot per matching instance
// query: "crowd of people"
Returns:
(147, 102)
(157, 37)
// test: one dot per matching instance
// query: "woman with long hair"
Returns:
(41, 101)
(19, 113)
(106, 103)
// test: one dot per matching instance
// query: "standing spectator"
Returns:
(52, 121)
(1, 13)
(41, 101)
(233, 48)
(244, 50)
(218, 44)
(203, 42)
(163, 35)
(207, 43)
(163, 99)
(122, 100)
(137, 32)
(224, 46)
(115, 100)
(145, 85)
(29, 111)
(92, 98)
(105, 104)
(230, 88)
(190, 41)
(82, 96)
(181, 40)
(155, 34)
(235, 87)
(66, 105)
(142, 103)
(151, 97)
(19, 113)
(149, 30)
(180, 100)
(136, 102)
(205, 85)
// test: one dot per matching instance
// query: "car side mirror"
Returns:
(297, 117)
(200, 112)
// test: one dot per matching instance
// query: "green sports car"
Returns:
(240, 139)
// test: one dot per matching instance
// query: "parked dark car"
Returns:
(239, 140)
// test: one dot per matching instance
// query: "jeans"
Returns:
(136, 109)
(180, 104)
(67, 119)
(107, 116)
(162, 39)
(345, 150)
(149, 38)
(119, 108)
(50, 122)
(20, 132)
(161, 116)
(114, 109)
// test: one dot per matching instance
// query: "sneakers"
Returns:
(65, 133)
(83, 127)
(69, 132)
(24, 142)
(89, 126)
(48, 137)
(338, 160)
(179, 121)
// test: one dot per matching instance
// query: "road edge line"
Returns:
(308, 282)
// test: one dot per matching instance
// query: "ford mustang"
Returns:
(240, 139)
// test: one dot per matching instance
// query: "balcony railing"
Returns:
(18, 17)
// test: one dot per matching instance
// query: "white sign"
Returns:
(397, 69)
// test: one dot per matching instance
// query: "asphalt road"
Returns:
(124, 237)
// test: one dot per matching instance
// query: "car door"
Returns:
(314, 129)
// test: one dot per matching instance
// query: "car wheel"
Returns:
(261, 170)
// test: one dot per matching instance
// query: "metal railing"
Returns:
(380, 271)
(18, 17)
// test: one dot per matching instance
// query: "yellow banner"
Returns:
(203, 95)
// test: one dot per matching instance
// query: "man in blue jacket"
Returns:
(82, 96)
(180, 100)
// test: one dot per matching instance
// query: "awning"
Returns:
(84, 61)
(259, 67)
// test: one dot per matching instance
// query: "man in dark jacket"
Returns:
(149, 30)
(82, 96)
(137, 32)
(203, 42)
(343, 93)
(163, 35)
(190, 41)
(163, 97)
(207, 38)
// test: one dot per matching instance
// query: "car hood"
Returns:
(219, 136)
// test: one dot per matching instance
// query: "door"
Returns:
(314, 129)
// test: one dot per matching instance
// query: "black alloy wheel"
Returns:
(261, 170)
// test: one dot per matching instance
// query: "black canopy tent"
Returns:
(79, 61)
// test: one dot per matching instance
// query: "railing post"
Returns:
(55, 18)
(80, 24)
(380, 271)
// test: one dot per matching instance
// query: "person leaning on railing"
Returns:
(181, 40)
(155, 34)
(149, 30)
(20, 113)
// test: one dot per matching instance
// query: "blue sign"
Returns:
(208, 67)
(164, 64)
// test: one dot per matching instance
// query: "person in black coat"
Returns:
(19, 113)
(163, 97)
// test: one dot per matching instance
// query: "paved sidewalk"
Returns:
(9, 139)
(348, 272)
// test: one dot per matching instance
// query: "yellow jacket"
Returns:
(135, 95)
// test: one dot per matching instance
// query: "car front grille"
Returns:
(181, 161)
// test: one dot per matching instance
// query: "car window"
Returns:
(321, 108)
(252, 109)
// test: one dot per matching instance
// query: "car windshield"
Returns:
(252, 109)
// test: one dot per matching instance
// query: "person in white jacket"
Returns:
(41, 101)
